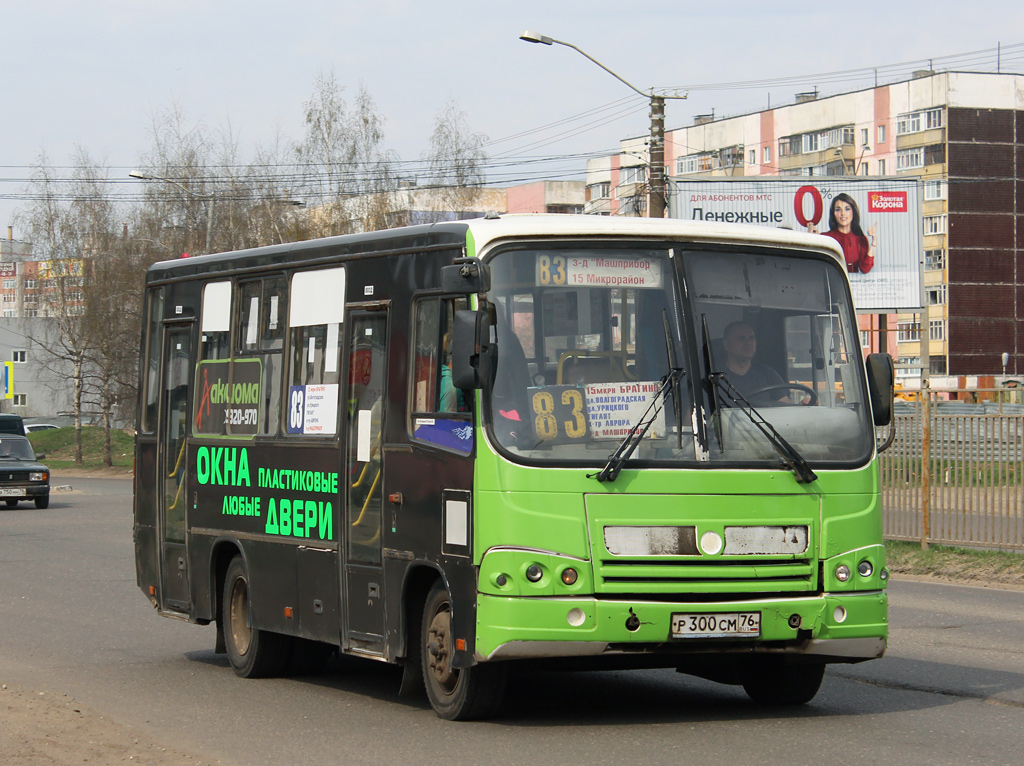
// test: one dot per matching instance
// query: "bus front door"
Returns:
(364, 472)
(171, 466)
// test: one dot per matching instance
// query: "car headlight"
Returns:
(38, 475)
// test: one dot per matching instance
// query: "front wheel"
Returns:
(770, 681)
(42, 501)
(456, 694)
(253, 653)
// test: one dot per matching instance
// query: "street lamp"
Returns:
(208, 199)
(656, 153)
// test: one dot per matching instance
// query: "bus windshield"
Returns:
(691, 346)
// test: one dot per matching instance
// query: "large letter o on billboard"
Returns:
(798, 205)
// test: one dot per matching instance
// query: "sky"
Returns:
(96, 74)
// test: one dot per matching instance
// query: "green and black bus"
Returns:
(467, 446)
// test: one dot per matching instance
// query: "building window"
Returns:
(881, 167)
(863, 136)
(938, 366)
(881, 134)
(864, 168)
(601, 190)
(695, 163)
(9, 284)
(31, 284)
(934, 260)
(865, 338)
(633, 175)
(935, 295)
(766, 155)
(809, 142)
(906, 159)
(934, 224)
(19, 355)
(915, 122)
(20, 400)
(936, 329)
(752, 157)
(907, 331)
(908, 366)
(934, 190)
(935, 154)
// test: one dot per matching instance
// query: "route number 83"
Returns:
(559, 414)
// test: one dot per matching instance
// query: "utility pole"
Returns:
(656, 149)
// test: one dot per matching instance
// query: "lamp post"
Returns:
(208, 199)
(656, 151)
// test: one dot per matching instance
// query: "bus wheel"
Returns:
(253, 653)
(770, 681)
(456, 694)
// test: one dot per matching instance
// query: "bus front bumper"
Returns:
(840, 628)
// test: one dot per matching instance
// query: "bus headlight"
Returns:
(534, 573)
(842, 573)
(864, 568)
(569, 576)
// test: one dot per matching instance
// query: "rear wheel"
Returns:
(253, 653)
(770, 681)
(456, 694)
(42, 501)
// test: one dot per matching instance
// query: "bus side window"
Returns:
(152, 357)
(215, 327)
(432, 390)
(260, 323)
(315, 320)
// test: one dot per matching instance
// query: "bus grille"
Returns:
(688, 577)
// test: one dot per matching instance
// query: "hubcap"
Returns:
(439, 651)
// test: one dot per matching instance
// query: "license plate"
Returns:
(728, 625)
(11, 492)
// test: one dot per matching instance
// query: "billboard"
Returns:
(883, 257)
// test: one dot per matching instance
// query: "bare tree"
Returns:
(348, 173)
(69, 222)
(456, 161)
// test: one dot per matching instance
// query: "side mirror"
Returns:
(471, 348)
(881, 387)
(466, 276)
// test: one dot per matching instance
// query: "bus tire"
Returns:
(456, 694)
(252, 653)
(771, 681)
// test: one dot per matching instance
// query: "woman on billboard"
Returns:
(844, 228)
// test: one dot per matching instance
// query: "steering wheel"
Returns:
(787, 387)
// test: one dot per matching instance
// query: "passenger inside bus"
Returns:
(755, 381)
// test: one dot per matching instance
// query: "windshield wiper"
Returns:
(636, 434)
(793, 459)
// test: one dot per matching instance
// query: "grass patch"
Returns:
(966, 565)
(59, 447)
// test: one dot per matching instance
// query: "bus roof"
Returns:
(478, 233)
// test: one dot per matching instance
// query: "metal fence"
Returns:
(953, 474)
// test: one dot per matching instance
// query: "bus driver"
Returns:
(746, 376)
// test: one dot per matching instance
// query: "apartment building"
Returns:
(960, 133)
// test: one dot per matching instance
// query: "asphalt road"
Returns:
(72, 621)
